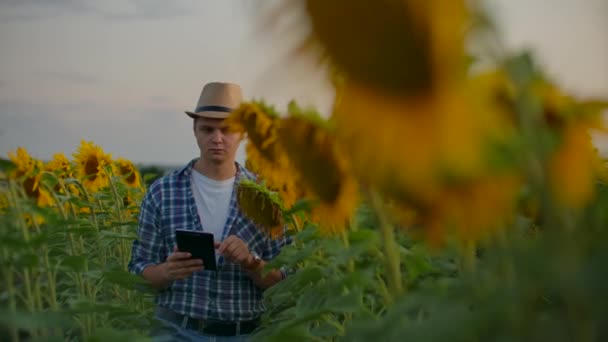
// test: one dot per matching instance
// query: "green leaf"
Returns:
(126, 280)
(118, 236)
(30, 321)
(347, 303)
(114, 335)
(74, 263)
(7, 165)
(310, 304)
(325, 329)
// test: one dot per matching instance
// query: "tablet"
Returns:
(199, 244)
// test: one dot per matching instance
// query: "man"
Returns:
(196, 303)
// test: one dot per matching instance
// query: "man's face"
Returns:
(216, 143)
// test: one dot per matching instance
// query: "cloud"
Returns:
(73, 77)
(19, 10)
(151, 134)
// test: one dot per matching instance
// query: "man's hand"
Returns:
(235, 250)
(179, 265)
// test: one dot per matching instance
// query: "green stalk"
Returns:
(393, 261)
(123, 248)
(350, 266)
(30, 300)
(468, 262)
(10, 289)
(50, 274)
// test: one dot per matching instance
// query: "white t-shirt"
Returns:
(212, 199)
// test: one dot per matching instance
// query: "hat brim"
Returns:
(208, 114)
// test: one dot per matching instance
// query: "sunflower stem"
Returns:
(393, 261)
(14, 198)
(10, 290)
(123, 248)
(350, 266)
(468, 259)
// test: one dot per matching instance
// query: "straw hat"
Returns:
(217, 100)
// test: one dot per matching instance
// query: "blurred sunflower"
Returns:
(35, 190)
(321, 167)
(264, 156)
(262, 206)
(28, 169)
(61, 166)
(395, 46)
(129, 172)
(24, 163)
(91, 161)
(416, 144)
(572, 163)
(571, 168)
(475, 210)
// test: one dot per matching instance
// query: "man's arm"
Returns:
(148, 256)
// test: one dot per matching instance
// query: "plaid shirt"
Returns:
(227, 294)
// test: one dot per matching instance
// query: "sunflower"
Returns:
(24, 163)
(322, 168)
(474, 210)
(127, 170)
(28, 171)
(571, 166)
(264, 156)
(262, 206)
(409, 45)
(414, 144)
(61, 166)
(34, 189)
(91, 161)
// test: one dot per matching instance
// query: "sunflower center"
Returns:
(91, 166)
(30, 187)
(131, 178)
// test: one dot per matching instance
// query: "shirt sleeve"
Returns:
(274, 246)
(148, 246)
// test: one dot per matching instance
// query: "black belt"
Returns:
(208, 327)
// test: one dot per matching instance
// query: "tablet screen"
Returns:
(199, 244)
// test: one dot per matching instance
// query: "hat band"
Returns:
(213, 109)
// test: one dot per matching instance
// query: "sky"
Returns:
(121, 73)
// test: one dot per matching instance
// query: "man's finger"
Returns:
(179, 256)
(187, 263)
(186, 272)
(226, 245)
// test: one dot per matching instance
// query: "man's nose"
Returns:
(217, 136)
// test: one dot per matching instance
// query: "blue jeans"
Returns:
(169, 331)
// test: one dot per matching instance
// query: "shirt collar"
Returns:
(186, 171)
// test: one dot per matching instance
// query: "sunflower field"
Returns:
(452, 194)
(67, 228)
